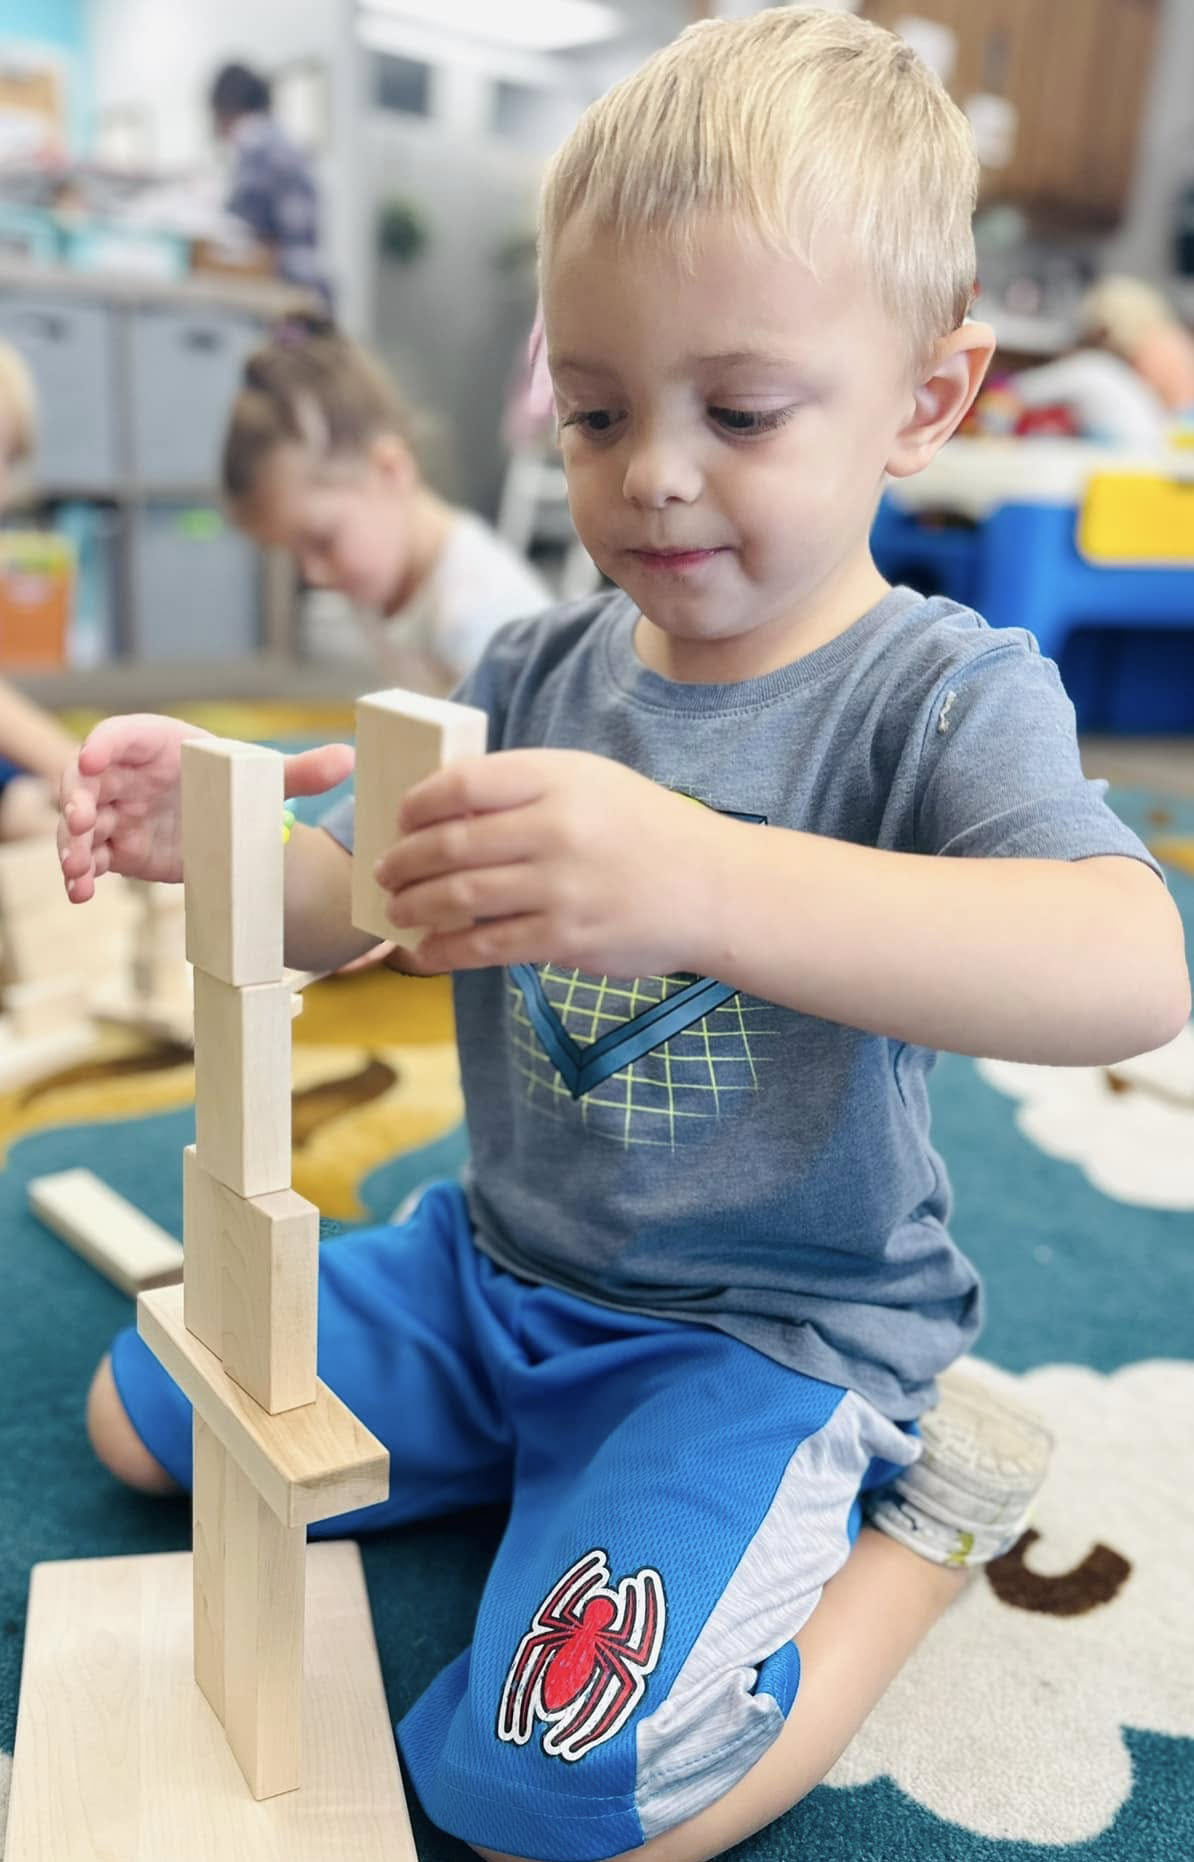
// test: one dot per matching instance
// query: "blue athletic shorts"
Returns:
(677, 1502)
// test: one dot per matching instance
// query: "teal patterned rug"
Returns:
(1050, 1715)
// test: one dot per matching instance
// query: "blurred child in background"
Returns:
(34, 748)
(318, 460)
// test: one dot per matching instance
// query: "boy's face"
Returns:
(725, 431)
(348, 529)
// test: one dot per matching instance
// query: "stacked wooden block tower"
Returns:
(116, 1754)
(274, 1449)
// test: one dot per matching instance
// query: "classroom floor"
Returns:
(1161, 763)
(1050, 1714)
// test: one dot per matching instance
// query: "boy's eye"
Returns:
(595, 420)
(749, 420)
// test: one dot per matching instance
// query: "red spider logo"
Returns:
(584, 1662)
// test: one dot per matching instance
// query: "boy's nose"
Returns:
(657, 475)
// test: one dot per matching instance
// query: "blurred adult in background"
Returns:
(273, 187)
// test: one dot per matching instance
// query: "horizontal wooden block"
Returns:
(63, 941)
(232, 859)
(242, 1083)
(98, 1223)
(308, 1464)
(40, 1008)
(31, 883)
(30, 876)
(32, 1057)
(251, 1284)
(401, 738)
(119, 1756)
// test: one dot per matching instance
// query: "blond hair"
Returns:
(792, 120)
(1121, 312)
(18, 405)
(311, 388)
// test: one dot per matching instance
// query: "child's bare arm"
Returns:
(1068, 963)
(320, 934)
(31, 737)
(568, 858)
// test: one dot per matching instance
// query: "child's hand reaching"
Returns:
(120, 799)
(560, 857)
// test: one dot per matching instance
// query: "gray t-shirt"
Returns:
(674, 1146)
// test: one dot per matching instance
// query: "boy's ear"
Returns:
(392, 458)
(943, 397)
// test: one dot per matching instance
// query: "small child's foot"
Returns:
(969, 1497)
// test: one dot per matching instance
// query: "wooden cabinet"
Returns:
(1077, 72)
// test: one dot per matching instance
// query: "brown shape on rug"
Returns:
(1096, 1581)
(314, 1106)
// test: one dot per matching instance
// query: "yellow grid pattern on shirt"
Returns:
(694, 1076)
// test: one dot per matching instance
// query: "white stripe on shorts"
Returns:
(712, 1727)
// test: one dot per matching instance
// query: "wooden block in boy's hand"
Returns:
(401, 738)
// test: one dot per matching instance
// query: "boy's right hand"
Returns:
(121, 800)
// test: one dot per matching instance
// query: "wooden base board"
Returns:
(119, 1756)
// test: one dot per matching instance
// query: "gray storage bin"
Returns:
(184, 369)
(196, 586)
(70, 347)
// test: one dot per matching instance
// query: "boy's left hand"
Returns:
(559, 856)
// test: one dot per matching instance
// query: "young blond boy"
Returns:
(756, 835)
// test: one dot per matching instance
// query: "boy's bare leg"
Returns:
(115, 1440)
(870, 1618)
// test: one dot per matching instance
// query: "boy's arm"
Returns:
(320, 934)
(566, 858)
(1063, 962)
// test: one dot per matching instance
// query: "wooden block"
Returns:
(251, 1284)
(232, 859)
(32, 897)
(242, 1084)
(105, 1229)
(47, 945)
(30, 876)
(41, 1008)
(119, 1756)
(401, 738)
(202, 1265)
(264, 1563)
(32, 1058)
(308, 1464)
(209, 1463)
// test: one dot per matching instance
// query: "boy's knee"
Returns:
(115, 1440)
